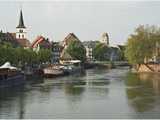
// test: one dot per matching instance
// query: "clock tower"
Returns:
(21, 29)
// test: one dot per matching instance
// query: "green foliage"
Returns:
(137, 87)
(141, 45)
(5, 52)
(122, 52)
(77, 50)
(20, 56)
(99, 52)
(44, 55)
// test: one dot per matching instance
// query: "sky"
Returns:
(88, 20)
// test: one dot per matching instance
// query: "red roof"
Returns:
(41, 41)
(37, 41)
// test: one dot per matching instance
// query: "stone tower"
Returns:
(21, 29)
(105, 39)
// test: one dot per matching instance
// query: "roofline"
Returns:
(20, 27)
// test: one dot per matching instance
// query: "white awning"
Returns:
(7, 65)
(75, 61)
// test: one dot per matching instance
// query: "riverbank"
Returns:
(149, 67)
(64, 70)
(106, 64)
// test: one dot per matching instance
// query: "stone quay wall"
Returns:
(148, 68)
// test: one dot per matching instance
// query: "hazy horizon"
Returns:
(88, 20)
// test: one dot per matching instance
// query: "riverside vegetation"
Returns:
(20, 57)
(143, 45)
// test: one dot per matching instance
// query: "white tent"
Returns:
(8, 65)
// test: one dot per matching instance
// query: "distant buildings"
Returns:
(65, 56)
(112, 54)
(9, 38)
(70, 37)
(17, 39)
(104, 39)
(89, 45)
(20, 34)
(21, 29)
(41, 42)
(56, 52)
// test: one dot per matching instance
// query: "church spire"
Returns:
(21, 29)
(21, 23)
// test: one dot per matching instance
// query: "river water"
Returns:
(98, 93)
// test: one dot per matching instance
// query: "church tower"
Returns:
(105, 39)
(21, 29)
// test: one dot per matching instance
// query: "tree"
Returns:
(22, 57)
(44, 55)
(141, 45)
(100, 52)
(77, 50)
(7, 53)
(122, 52)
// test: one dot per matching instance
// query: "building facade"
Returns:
(56, 52)
(8, 38)
(89, 45)
(105, 39)
(21, 29)
(41, 42)
(21, 33)
(65, 56)
(18, 38)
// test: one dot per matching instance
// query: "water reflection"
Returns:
(153, 79)
(16, 98)
(22, 98)
(100, 93)
(143, 90)
(70, 89)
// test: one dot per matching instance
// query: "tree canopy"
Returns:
(100, 52)
(141, 45)
(77, 50)
(21, 56)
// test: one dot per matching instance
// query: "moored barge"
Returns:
(10, 76)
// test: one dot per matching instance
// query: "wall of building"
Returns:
(21, 33)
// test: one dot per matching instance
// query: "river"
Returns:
(98, 93)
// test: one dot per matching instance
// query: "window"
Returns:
(21, 31)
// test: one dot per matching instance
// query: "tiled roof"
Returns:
(13, 34)
(11, 38)
(42, 42)
(68, 38)
(23, 42)
(37, 40)
(7, 37)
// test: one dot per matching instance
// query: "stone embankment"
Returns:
(106, 64)
(148, 68)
